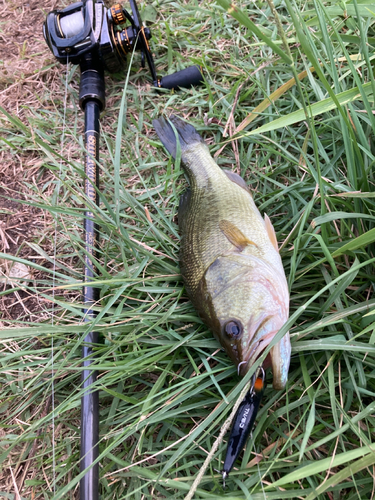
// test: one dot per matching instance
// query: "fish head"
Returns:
(247, 304)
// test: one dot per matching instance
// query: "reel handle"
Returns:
(185, 78)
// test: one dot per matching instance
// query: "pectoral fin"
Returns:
(234, 235)
(271, 231)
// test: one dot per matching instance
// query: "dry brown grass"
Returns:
(25, 76)
(26, 83)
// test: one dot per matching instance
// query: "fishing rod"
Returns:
(98, 39)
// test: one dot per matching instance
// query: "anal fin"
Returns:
(237, 179)
(183, 206)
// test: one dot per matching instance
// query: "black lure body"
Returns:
(242, 424)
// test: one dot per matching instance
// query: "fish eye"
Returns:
(233, 329)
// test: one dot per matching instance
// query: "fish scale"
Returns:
(208, 204)
(229, 258)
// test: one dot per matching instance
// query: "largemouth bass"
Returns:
(229, 256)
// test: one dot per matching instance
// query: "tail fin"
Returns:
(169, 130)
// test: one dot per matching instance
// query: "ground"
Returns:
(166, 388)
(24, 76)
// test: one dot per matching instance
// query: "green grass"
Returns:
(165, 388)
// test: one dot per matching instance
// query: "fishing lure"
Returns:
(243, 422)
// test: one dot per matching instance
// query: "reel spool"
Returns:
(88, 30)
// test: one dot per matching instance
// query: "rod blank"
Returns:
(89, 484)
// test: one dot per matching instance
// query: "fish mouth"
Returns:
(278, 358)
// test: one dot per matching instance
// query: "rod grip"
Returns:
(185, 78)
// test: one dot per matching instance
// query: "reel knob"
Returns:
(187, 77)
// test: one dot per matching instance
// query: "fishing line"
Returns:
(54, 282)
(259, 473)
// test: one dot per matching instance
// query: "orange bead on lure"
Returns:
(229, 258)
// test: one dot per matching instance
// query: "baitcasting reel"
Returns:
(88, 28)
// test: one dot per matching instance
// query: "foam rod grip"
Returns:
(185, 78)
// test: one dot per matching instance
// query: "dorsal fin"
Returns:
(234, 235)
(271, 232)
